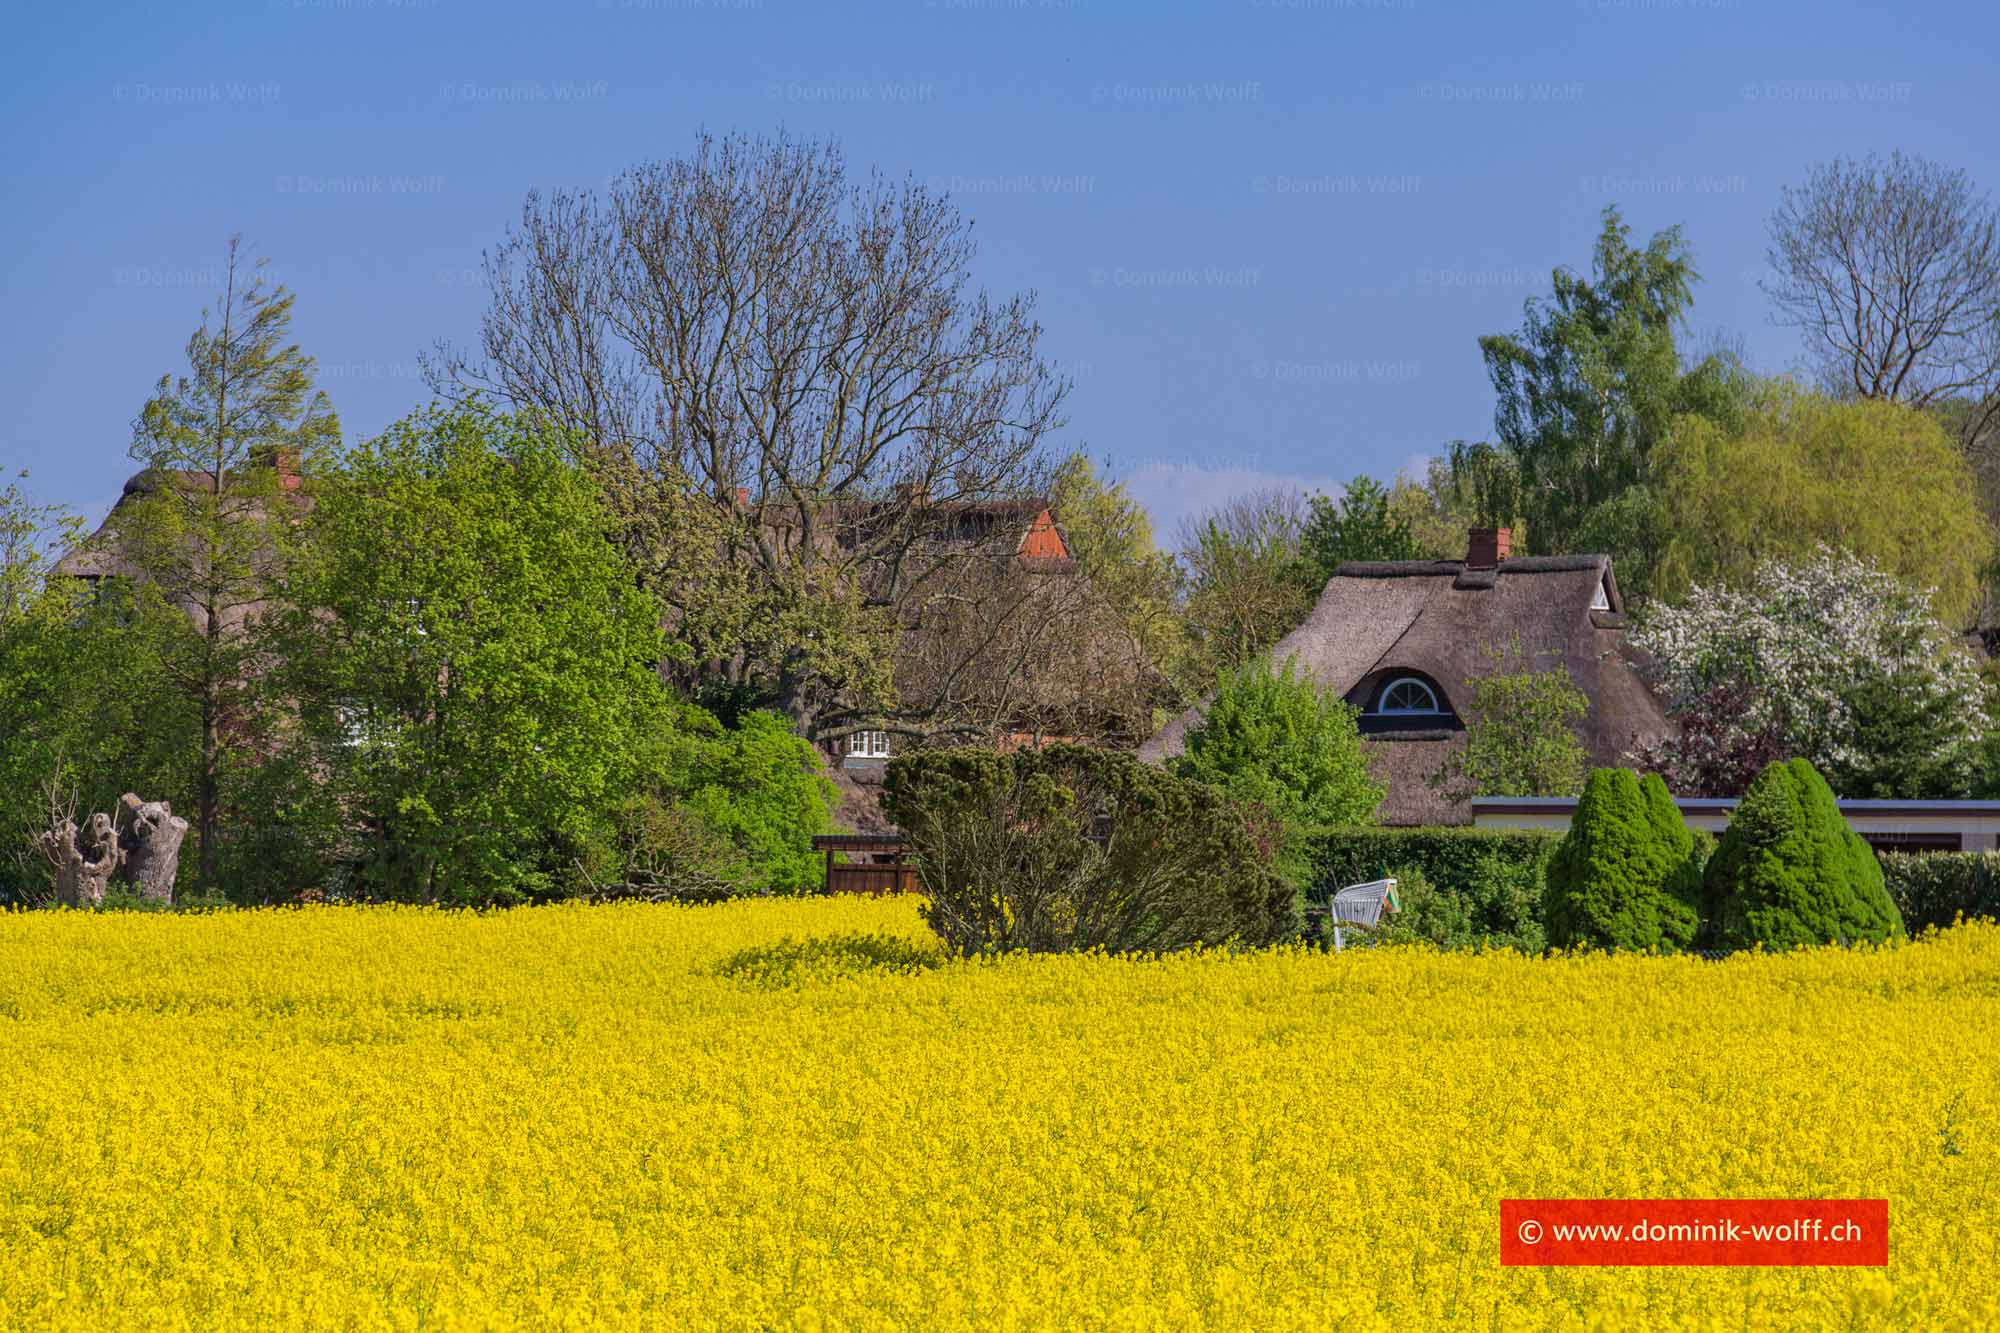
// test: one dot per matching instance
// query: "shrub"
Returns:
(1449, 857)
(1275, 739)
(1499, 907)
(1626, 875)
(1067, 848)
(1936, 888)
(759, 787)
(1789, 871)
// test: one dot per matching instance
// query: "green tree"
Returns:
(759, 786)
(1628, 873)
(1277, 740)
(1789, 872)
(474, 661)
(1592, 382)
(1363, 524)
(83, 705)
(1801, 471)
(222, 446)
(1520, 734)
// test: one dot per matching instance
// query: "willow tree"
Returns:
(792, 371)
(223, 447)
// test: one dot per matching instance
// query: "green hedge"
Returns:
(1448, 856)
(1935, 888)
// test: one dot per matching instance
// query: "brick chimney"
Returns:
(742, 497)
(913, 492)
(1487, 547)
(284, 458)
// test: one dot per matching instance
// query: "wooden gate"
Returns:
(875, 863)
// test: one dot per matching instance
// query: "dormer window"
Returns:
(1601, 602)
(1407, 696)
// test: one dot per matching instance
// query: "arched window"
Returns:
(1405, 695)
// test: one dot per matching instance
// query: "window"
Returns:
(1407, 694)
(869, 744)
(1601, 602)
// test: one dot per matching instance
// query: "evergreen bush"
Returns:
(1626, 875)
(1789, 872)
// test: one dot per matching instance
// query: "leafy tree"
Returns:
(1591, 384)
(1363, 524)
(222, 445)
(1520, 734)
(1799, 645)
(758, 786)
(32, 537)
(1628, 873)
(1071, 848)
(1446, 502)
(83, 704)
(1789, 872)
(1276, 740)
(1876, 478)
(472, 657)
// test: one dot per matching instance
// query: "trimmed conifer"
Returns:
(1625, 876)
(1789, 872)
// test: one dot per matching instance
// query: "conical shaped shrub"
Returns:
(1621, 877)
(1789, 872)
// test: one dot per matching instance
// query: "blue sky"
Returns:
(1265, 234)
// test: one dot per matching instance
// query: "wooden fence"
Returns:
(875, 863)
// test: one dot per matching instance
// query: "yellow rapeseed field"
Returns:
(788, 1114)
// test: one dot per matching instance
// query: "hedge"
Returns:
(1447, 855)
(1935, 888)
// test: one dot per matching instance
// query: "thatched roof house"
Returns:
(1402, 640)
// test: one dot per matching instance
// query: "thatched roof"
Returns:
(1445, 623)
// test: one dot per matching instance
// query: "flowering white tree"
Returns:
(1798, 653)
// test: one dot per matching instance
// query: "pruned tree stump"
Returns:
(150, 845)
(84, 859)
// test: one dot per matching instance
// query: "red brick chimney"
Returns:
(284, 458)
(1487, 547)
(742, 497)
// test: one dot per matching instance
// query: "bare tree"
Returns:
(1892, 271)
(804, 360)
(1247, 586)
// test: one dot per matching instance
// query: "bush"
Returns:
(1277, 740)
(759, 787)
(1067, 848)
(1936, 888)
(1498, 908)
(1449, 857)
(1789, 872)
(1627, 874)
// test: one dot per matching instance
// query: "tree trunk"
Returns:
(151, 847)
(84, 859)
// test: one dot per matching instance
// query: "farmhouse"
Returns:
(1404, 640)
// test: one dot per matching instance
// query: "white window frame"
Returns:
(868, 744)
(1601, 602)
(1383, 707)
